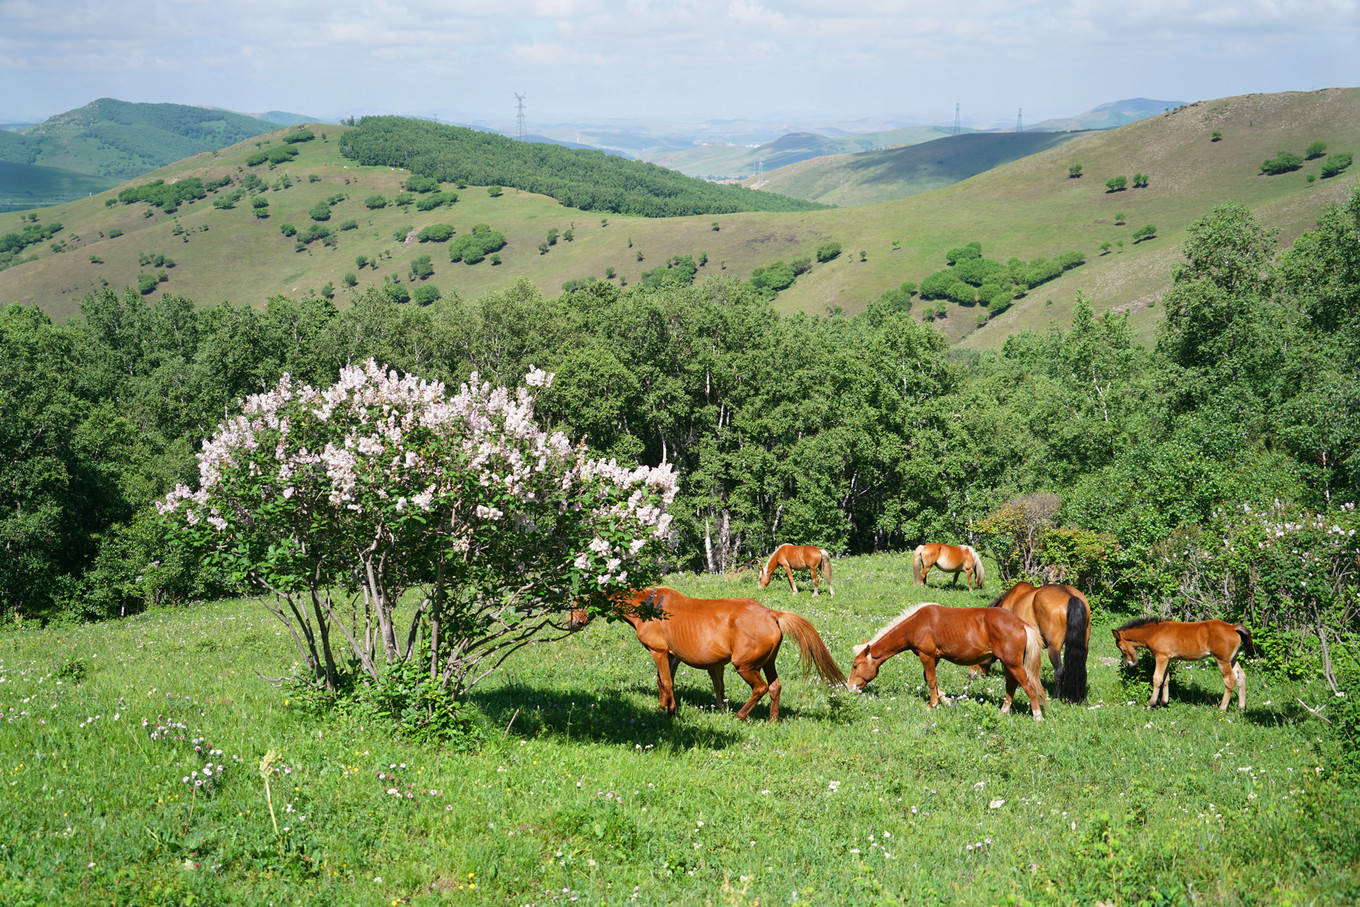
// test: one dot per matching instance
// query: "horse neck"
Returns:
(893, 641)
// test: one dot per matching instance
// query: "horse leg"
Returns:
(812, 568)
(1241, 685)
(1010, 690)
(772, 676)
(924, 571)
(1229, 683)
(1158, 678)
(758, 688)
(928, 666)
(1017, 677)
(792, 588)
(1055, 658)
(719, 692)
(665, 686)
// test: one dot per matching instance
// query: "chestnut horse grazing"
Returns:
(1168, 639)
(1062, 616)
(798, 557)
(966, 636)
(948, 559)
(710, 633)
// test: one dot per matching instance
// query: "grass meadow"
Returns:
(580, 791)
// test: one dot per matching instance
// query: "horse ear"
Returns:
(859, 648)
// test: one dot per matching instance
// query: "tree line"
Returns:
(578, 178)
(1152, 477)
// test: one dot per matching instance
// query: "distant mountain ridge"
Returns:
(1108, 116)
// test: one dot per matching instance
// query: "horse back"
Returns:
(703, 632)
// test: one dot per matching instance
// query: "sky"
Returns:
(682, 61)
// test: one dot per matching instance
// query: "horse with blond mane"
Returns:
(798, 557)
(966, 636)
(948, 559)
(1062, 616)
(710, 634)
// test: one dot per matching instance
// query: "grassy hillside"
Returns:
(876, 176)
(29, 186)
(1108, 116)
(719, 161)
(1023, 209)
(581, 791)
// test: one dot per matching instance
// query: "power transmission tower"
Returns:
(519, 116)
(956, 117)
(1019, 122)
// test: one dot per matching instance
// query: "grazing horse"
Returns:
(966, 636)
(798, 557)
(710, 633)
(1062, 616)
(948, 559)
(1168, 639)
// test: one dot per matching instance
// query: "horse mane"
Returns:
(1141, 621)
(897, 620)
(996, 602)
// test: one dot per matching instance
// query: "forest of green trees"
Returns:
(1215, 474)
(586, 179)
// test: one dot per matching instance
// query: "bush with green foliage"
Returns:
(1074, 171)
(375, 201)
(1142, 233)
(1315, 150)
(436, 233)
(1284, 162)
(471, 248)
(773, 278)
(422, 268)
(434, 200)
(828, 251)
(963, 253)
(1335, 164)
(1140, 181)
(418, 183)
(425, 294)
(1116, 184)
(301, 135)
(320, 212)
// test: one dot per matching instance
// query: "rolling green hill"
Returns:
(719, 161)
(29, 186)
(1025, 208)
(116, 140)
(877, 176)
(1108, 116)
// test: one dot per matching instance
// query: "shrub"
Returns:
(1116, 184)
(1074, 171)
(962, 253)
(1315, 150)
(320, 211)
(828, 251)
(417, 183)
(1335, 163)
(422, 268)
(302, 135)
(287, 229)
(375, 202)
(435, 199)
(436, 233)
(1143, 233)
(425, 294)
(1283, 162)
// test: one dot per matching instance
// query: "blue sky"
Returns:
(679, 61)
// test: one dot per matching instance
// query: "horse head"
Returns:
(764, 575)
(863, 670)
(577, 618)
(1126, 648)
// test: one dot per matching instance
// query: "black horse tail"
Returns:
(1073, 678)
(1248, 646)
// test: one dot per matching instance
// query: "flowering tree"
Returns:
(337, 502)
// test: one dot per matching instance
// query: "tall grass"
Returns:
(581, 790)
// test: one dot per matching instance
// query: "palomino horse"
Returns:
(798, 557)
(966, 636)
(1168, 639)
(1062, 616)
(710, 633)
(948, 559)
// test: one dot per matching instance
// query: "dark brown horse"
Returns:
(966, 636)
(711, 633)
(948, 559)
(1168, 639)
(1062, 616)
(798, 557)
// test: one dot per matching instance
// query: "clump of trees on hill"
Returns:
(169, 196)
(1214, 475)
(971, 279)
(12, 244)
(590, 180)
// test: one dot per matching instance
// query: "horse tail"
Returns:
(810, 646)
(826, 571)
(1034, 648)
(1247, 646)
(977, 565)
(1073, 688)
(917, 564)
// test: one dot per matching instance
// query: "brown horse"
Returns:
(1062, 616)
(798, 557)
(1168, 639)
(948, 559)
(710, 633)
(966, 636)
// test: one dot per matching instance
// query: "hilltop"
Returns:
(725, 161)
(1108, 116)
(113, 141)
(221, 249)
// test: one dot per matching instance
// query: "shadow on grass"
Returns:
(1207, 691)
(607, 717)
